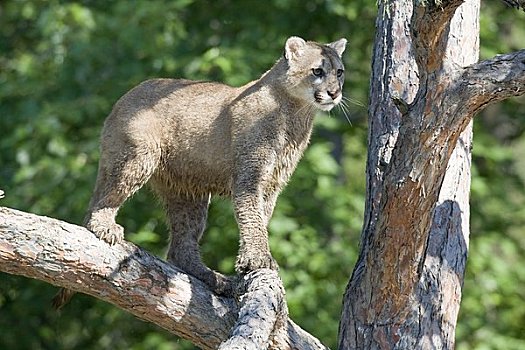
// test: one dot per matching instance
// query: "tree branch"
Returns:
(255, 325)
(70, 256)
(493, 80)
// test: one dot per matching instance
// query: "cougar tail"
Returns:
(62, 298)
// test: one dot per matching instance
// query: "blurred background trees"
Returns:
(64, 63)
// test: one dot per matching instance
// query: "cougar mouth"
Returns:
(325, 103)
(325, 106)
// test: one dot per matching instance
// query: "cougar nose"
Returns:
(334, 94)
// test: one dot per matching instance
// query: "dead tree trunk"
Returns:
(405, 290)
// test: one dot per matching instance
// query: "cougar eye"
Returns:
(340, 73)
(318, 72)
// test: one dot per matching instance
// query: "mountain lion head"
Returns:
(315, 71)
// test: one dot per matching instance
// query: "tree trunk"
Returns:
(405, 289)
(445, 258)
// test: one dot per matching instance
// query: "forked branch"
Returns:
(429, 30)
(255, 325)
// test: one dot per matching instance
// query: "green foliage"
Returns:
(64, 63)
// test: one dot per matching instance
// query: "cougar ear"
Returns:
(294, 47)
(339, 46)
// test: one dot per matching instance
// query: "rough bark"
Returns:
(70, 256)
(441, 278)
(405, 290)
(259, 288)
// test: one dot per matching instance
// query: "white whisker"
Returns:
(354, 101)
(344, 109)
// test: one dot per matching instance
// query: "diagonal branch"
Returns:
(70, 256)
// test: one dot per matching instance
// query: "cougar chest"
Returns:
(288, 157)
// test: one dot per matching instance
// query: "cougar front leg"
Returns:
(252, 215)
(187, 221)
(270, 198)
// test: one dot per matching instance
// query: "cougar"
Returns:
(193, 139)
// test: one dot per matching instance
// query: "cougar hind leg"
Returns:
(187, 221)
(120, 175)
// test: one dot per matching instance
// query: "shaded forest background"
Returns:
(62, 66)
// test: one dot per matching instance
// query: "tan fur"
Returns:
(194, 139)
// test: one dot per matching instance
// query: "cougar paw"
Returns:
(251, 262)
(112, 233)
